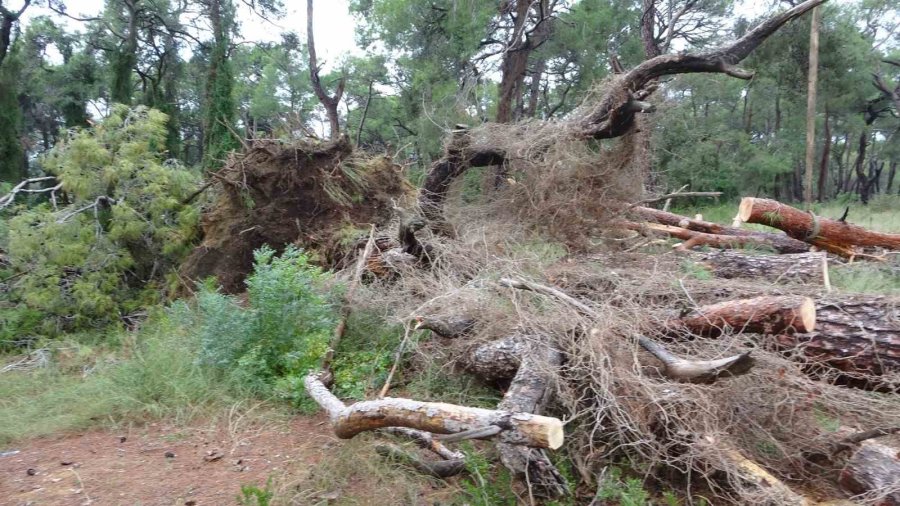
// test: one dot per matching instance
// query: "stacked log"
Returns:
(793, 267)
(856, 334)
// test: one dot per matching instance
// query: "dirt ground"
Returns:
(159, 464)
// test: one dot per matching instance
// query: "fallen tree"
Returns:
(779, 242)
(856, 334)
(613, 115)
(798, 267)
(873, 473)
(760, 315)
(834, 236)
(437, 418)
(693, 239)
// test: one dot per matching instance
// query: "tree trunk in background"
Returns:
(125, 59)
(7, 21)
(859, 166)
(515, 63)
(329, 103)
(219, 107)
(891, 173)
(811, 106)
(823, 165)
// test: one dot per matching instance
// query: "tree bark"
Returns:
(834, 236)
(8, 19)
(498, 360)
(529, 392)
(761, 315)
(823, 164)
(874, 470)
(858, 334)
(435, 417)
(330, 103)
(796, 267)
(812, 81)
(780, 242)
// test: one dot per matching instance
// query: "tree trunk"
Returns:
(435, 417)
(856, 334)
(781, 242)
(498, 360)
(694, 239)
(823, 164)
(812, 81)
(529, 392)
(8, 19)
(329, 103)
(859, 167)
(830, 235)
(761, 315)
(515, 63)
(873, 470)
(797, 267)
(890, 180)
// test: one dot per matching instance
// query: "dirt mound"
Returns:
(319, 196)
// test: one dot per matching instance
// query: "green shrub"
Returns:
(269, 347)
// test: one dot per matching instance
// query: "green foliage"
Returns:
(125, 227)
(486, 485)
(268, 347)
(623, 491)
(220, 109)
(365, 355)
(251, 495)
(12, 157)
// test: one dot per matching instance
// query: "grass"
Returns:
(151, 374)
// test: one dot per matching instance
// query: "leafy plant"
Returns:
(624, 491)
(271, 345)
(251, 495)
(125, 226)
(486, 486)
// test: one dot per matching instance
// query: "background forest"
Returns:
(126, 132)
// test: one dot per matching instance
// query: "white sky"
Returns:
(334, 26)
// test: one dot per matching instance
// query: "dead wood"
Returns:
(693, 239)
(834, 236)
(497, 360)
(760, 315)
(855, 334)
(450, 327)
(779, 242)
(674, 367)
(873, 472)
(529, 392)
(792, 267)
(435, 417)
(438, 469)
(613, 115)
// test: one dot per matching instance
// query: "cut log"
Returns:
(435, 417)
(873, 471)
(795, 267)
(760, 315)
(835, 236)
(779, 242)
(857, 334)
(529, 392)
(693, 238)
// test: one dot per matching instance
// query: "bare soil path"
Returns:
(160, 464)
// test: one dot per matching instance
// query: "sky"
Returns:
(334, 26)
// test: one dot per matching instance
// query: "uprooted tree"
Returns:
(631, 382)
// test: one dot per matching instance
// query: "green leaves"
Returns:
(123, 228)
